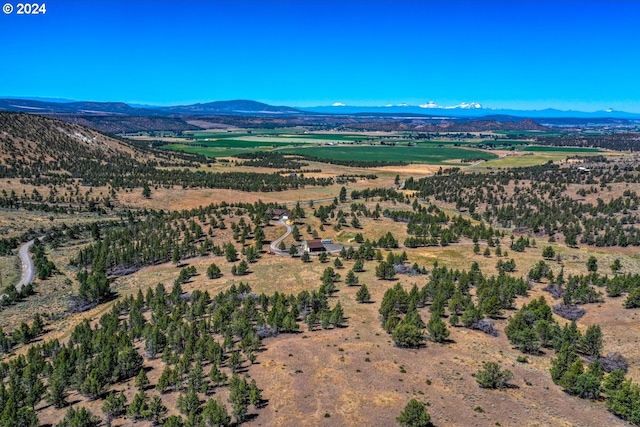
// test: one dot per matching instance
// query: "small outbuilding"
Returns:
(313, 245)
(277, 214)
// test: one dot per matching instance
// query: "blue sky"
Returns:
(504, 54)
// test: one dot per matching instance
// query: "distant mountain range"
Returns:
(472, 109)
(248, 107)
(235, 107)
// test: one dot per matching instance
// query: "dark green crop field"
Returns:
(417, 154)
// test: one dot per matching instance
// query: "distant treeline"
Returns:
(618, 141)
(270, 159)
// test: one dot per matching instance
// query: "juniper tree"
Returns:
(363, 294)
(414, 414)
(351, 279)
(491, 376)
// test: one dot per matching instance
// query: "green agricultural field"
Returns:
(332, 137)
(241, 143)
(205, 151)
(433, 142)
(540, 157)
(202, 134)
(417, 154)
(546, 148)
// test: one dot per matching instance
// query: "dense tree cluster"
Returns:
(408, 330)
(385, 194)
(617, 141)
(270, 159)
(583, 289)
(448, 289)
(535, 199)
(191, 333)
(152, 237)
(44, 267)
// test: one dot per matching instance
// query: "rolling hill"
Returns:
(37, 147)
(234, 107)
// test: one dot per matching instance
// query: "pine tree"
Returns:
(437, 329)
(350, 279)
(548, 253)
(592, 341)
(217, 377)
(139, 407)
(213, 271)
(57, 395)
(337, 315)
(490, 376)
(156, 410)
(146, 191)
(363, 294)
(414, 415)
(239, 397)
(215, 414)
(343, 195)
(142, 381)
(565, 357)
(616, 266)
(81, 417)
(188, 403)
(114, 406)
(293, 250)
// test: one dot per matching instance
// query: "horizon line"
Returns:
(337, 105)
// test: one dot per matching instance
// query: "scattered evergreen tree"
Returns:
(363, 294)
(548, 252)
(490, 376)
(213, 271)
(214, 414)
(592, 341)
(385, 270)
(142, 381)
(114, 406)
(76, 418)
(616, 266)
(437, 329)
(351, 279)
(146, 191)
(414, 414)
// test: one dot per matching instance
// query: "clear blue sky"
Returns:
(506, 54)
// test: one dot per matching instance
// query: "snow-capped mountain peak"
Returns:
(463, 105)
(469, 106)
(429, 104)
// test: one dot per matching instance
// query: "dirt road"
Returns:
(274, 245)
(28, 269)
